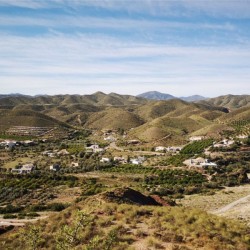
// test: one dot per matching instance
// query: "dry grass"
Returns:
(138, 227)
(220, 199)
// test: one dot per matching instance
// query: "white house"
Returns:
(110, 138)
(25, 169)
(199, 162)
(137, 161)
(9, 144)
(105, 160)
(95, 148)
(173, 149)
(74, 164)
(54, 167)
(224, 143)
(160, 149)
(196, 138)
(208, 164)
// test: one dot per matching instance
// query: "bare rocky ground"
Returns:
(231, 202)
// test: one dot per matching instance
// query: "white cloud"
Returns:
(108, 22)
(223, 8)
(85, 64)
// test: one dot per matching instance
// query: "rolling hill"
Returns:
(29, 118)
(151, 120)
(229, 101)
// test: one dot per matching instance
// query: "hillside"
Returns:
(229, 101)
(21, 117)
(97, 98)
(173, 120)
(113, 118)
(96, 223)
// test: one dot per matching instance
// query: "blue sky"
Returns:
(182, 47)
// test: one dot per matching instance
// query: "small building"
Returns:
(160, 149)
(54, 167)
(173, 149)
(208, 164)
(74, 164)
(196, 138)
(105, 160)
(25, 169)
(94, 148)
(138, 161)
(224, 143)
(9, 145)
(199, 162)
(110, 138)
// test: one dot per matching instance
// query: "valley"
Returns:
(110, 171)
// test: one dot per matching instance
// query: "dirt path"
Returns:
(242, 201)
(20, 222)
(231, 202)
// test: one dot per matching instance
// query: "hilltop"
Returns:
(229, 101)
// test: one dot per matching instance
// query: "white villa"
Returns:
(199, 162)
(25, 169)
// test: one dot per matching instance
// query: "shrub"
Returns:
(9, 216)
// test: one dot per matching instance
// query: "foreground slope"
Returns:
(97, 223)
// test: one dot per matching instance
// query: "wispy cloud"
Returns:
(99, 62)
(230, 8)
(172, 46)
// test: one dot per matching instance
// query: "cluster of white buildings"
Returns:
(167, 149)
(9, 144)
(122, 160)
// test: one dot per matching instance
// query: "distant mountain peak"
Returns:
(155, 95)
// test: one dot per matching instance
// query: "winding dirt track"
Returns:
(242, 201)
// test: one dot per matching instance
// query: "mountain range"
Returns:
(172, 120)
(155, 95)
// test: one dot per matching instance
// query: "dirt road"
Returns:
(240, 202)
(239, 209)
